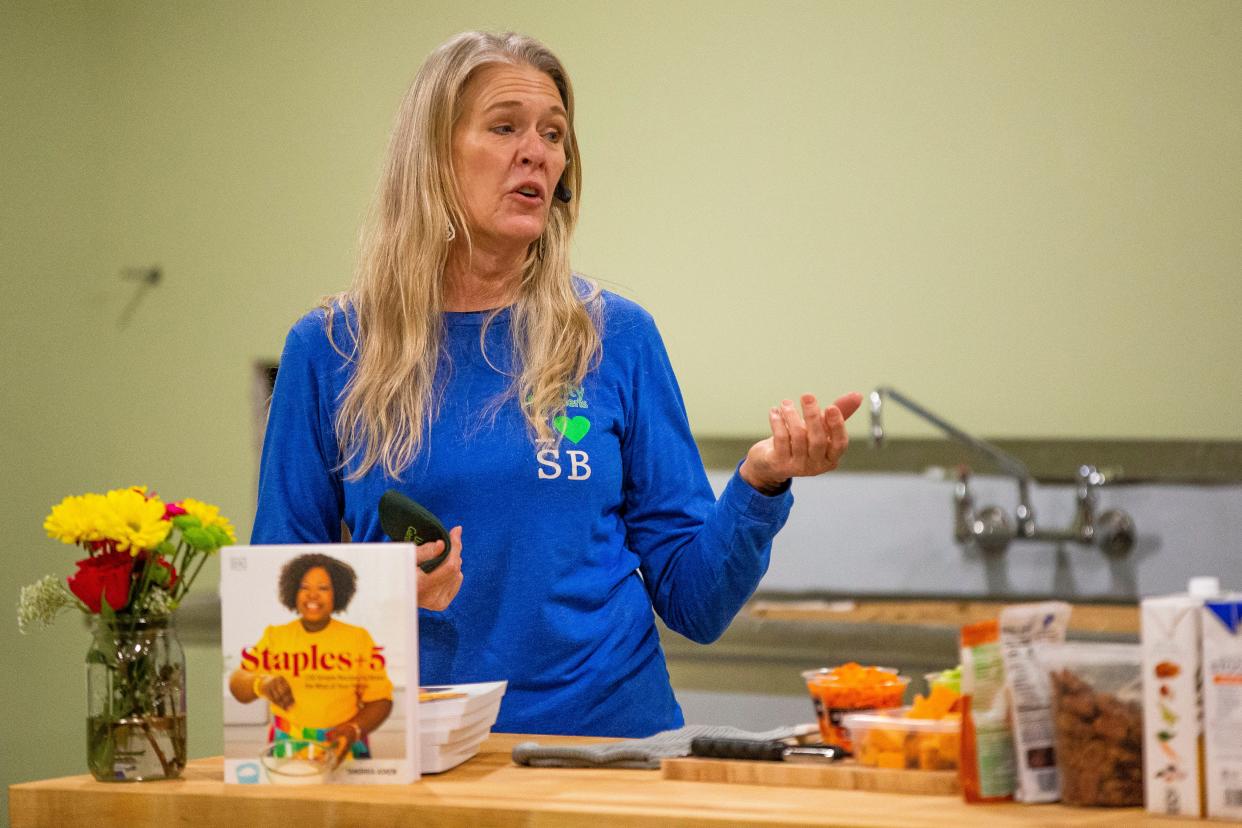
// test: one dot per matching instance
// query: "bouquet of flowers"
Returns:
(144, 555)
(142, 558)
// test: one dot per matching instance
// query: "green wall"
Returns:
(1024, 215)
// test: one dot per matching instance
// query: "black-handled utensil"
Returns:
(405, 521)
(765, 751)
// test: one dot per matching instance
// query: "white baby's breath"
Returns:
(158, 603)
(40, 603)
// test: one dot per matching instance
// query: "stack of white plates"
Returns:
(454, 720)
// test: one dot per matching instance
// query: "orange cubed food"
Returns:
(886, 740)
(939, 703)
(866, 754)
(951, 747)
(937, 751)
(912, 750)
(951, 743)
(929, 754)
(895, 761)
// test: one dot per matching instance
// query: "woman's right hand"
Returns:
(438, 588)
(276, 689)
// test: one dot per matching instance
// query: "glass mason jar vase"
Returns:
(135, 700)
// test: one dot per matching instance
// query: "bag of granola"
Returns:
(1097, 713)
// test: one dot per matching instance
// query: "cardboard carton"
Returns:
(1222, 705)
(1172, 708)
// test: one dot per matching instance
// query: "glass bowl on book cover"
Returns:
(298, 762)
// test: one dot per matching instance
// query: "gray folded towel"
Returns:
(636, 753)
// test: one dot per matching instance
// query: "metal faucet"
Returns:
(990, 528)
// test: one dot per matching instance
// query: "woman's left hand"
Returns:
(802, 444)
(438, 588)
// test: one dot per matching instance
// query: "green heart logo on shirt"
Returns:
(574, 428)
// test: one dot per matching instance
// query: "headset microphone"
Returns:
(562, 192)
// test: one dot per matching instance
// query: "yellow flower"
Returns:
(137, 521)
(78, 519)
(209, 515)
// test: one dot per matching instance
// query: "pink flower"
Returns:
(171, 510)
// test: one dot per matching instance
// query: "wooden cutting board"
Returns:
(845, 775)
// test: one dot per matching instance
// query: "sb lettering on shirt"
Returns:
(572, 463)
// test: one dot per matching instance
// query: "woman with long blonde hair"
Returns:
(470, 369)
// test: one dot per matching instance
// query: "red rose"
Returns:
(103, 576)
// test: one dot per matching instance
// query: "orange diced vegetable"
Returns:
(936, 705)
(854, 687)
(895, 747)
(850, 687)
(895, 761)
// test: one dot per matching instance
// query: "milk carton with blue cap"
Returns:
(1222, 705)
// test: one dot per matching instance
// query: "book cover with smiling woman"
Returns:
(320, 664)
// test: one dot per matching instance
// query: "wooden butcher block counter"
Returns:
(491, 790)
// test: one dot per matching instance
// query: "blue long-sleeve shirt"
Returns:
(566, 547)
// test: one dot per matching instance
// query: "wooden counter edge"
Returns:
(490, 790)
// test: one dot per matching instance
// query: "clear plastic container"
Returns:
(836, 692)
(887, 739)
(1097, 711)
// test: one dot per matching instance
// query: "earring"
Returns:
(451, 233)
